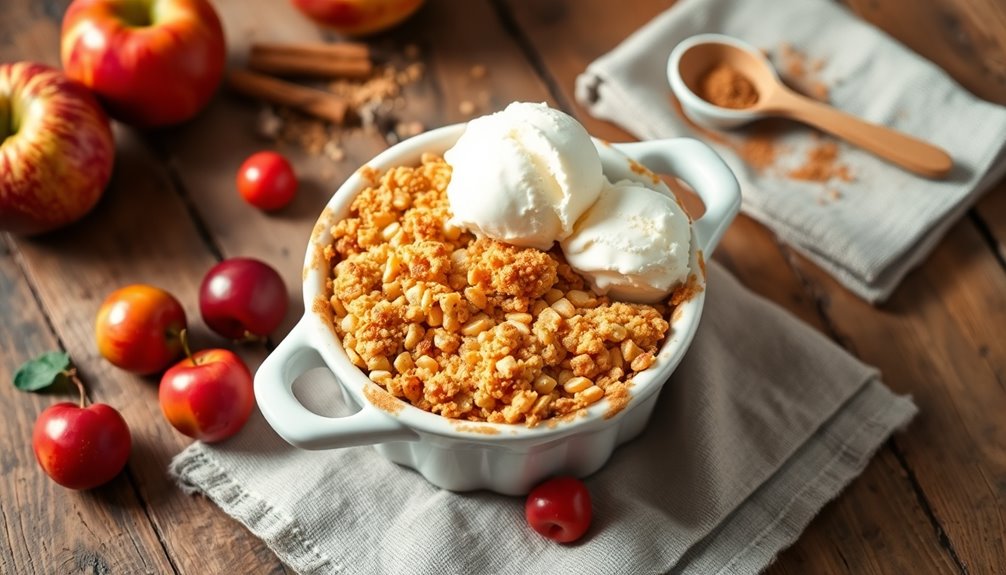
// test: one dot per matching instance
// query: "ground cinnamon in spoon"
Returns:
(726, 87)
(760, 145)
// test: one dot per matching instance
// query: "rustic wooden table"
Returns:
(931, 501)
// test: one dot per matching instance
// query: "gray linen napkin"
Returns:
(763, 422)
(887, 220)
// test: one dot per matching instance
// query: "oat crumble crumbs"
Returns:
(474, 329)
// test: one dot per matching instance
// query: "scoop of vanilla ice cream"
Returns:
(523, 175)
(634, 243)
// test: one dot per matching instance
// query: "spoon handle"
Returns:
(906, 151)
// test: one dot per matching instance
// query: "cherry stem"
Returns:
(250, 337)
(184, 336)
(72, 375)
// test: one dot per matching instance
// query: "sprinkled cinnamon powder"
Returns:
(376, 104)
(727, 87)
(802, 74)
(686, 291)
(792, 61)
(382, 400)
(469, 428)
(759, 148)
(821, 165)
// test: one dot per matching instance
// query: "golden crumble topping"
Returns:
(475, 329)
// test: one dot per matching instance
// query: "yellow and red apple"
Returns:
(139, 328)
(151, 62)
(358, 17)
(56, 149)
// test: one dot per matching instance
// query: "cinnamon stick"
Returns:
(308, 100)
(334, 50)
(304, 65)
(346, 59)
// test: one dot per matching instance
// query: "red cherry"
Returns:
(81, 447)
(208, 396)
(242, 297)
(559, 509)
(267, 181)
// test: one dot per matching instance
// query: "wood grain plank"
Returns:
(940, 339)
(454, 90)
(752, 254)
(46, 528)
(870, 528)
(959, 368)
(139, 232)
(967, 38)
(565, 37)
(27, 33)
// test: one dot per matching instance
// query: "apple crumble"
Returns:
(471, 328)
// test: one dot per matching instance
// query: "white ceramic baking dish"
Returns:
(463, 456)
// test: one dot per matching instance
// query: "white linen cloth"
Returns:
(887, 220)
(763, 422)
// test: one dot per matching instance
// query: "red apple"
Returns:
(56, 149)
(152, 62)
(139, 328)
(207, 396)
(358, 17)
(81, 447)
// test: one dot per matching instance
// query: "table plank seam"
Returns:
(523, 41)
(941, 534)
(177, 184)
(816, 296)
(134, 485)
(175, 180)
(24, 538)
(18, 257)
(841, 555)
(985, 231)
(7, 536)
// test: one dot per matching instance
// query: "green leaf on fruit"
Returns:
(45, 370)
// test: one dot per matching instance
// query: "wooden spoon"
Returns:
(696, 56)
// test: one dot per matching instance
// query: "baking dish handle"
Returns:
(302, 427)
(703, 170)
